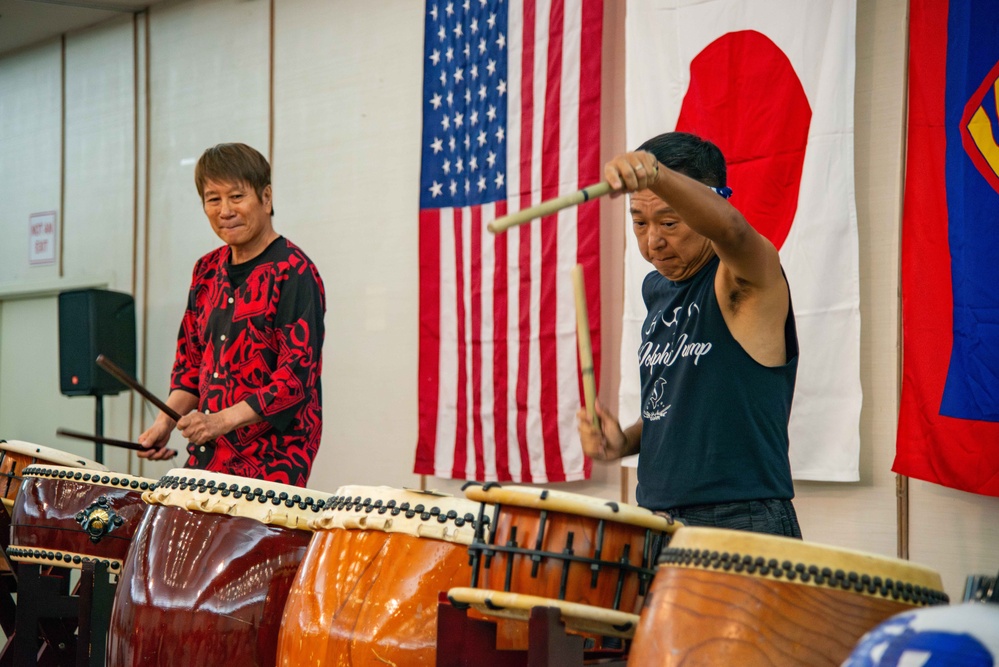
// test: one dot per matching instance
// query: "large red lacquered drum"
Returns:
(367, 592)
(725, 597)
(209, 571)
(67, 516)
(567, 547)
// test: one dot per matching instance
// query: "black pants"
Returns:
(773, 516)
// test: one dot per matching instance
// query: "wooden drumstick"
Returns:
(585, 348)
(548, 207)
(131, 382)
(101, 440)
(127, 380)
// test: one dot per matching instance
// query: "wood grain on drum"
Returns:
(729, 597)
(694, 618)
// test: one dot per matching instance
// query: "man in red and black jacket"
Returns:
(247, 374)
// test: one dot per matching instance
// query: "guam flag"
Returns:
(948, 429)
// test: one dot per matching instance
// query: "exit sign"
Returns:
(42, 234)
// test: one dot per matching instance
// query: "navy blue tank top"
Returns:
(714, 420)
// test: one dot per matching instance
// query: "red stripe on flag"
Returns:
(499, 335)
(461, 410)
(588, 215)
(548, 303)
(524, 320)
(430, 338)
(475, 275)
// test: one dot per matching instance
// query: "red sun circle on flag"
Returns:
(745, 97)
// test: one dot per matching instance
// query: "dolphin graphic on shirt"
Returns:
(654, 409)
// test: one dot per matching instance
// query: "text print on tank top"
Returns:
(674, 344)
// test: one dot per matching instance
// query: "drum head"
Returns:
(216, 493)
(49, 455)
(410, 512)
(796, 561)
(570, 503)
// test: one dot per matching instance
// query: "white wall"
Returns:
(143, 98)
(347, 92)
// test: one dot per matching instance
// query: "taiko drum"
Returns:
(67, 516)
(565, 546)
(209, 571)
(726, 597)
(367, 592)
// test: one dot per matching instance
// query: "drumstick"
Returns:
(101, 440)
(129, 381)
(548, 207)
(585, 348)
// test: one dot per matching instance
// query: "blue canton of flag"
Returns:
(464, 105)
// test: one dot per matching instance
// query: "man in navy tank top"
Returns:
(719, 350)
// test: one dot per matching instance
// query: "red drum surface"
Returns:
(206, 583)
(724, 597)
(65, 516)
(366, 594)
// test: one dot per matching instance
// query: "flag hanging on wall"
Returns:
(771, 83)
(948, 430)
(511, 117)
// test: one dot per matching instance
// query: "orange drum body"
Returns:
(209, 571)
(568, 547)
(66, 516)
(367, 592)
(724, 597)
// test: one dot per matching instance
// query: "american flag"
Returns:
(511, 117)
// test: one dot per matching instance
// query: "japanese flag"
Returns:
(771, 83)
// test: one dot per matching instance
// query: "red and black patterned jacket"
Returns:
(254, 332)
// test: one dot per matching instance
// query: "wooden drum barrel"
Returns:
(209, 571)
(726, 597)
(67, 516)
(366, 594)
(541, 547)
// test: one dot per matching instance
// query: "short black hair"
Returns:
(233, 163)
(690, 155)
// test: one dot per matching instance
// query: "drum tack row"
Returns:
(216, 569)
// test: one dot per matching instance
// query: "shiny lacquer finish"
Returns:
(367, 591)
(724, 597)
(63, 516)
(203, 589)
(369, 598)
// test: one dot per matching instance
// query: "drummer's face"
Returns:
(239, 217)
(665, 240)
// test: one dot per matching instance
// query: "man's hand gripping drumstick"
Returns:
(622, 175)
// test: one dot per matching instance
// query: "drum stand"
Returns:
(72, 627)
(469, 642)
(8, 581)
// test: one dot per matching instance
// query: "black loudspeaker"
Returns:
(93, 322)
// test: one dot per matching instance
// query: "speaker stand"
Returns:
(99, 427)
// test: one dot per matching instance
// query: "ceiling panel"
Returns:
(27, 22)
